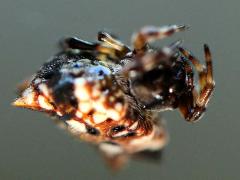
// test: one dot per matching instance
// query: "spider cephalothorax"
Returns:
(105, 92)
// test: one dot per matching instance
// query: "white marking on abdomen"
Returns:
(76, 126)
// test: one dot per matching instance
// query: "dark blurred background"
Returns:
(32, 147)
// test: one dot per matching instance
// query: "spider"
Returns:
(109, 94)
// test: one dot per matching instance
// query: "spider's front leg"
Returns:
(151, 33)
(194, 104)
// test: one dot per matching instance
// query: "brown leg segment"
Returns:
(201, 69)
(192, 110)
(189, 74)
(151, 33)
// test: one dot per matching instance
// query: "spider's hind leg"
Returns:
(194, 104)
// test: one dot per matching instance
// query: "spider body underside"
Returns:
(110, 95)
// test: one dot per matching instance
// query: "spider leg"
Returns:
(76, 43)
(189, 73)
(194, 108)
(113, 42)
(103, 51)
(151, 33)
